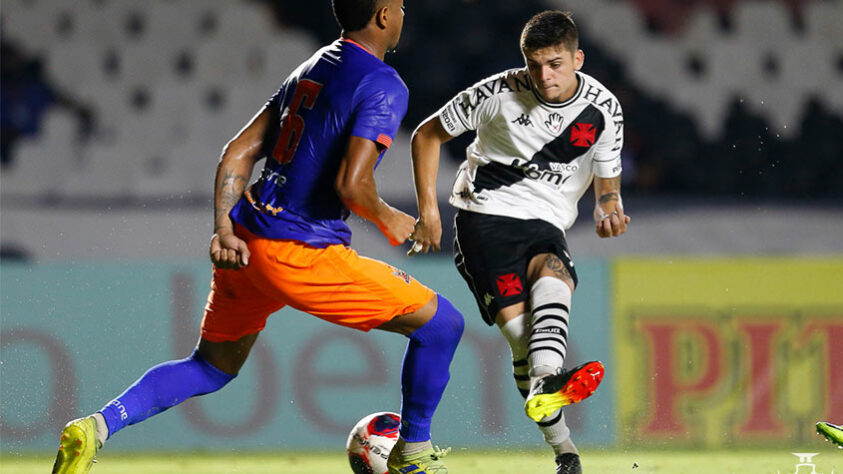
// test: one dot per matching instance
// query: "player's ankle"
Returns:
(408, 448)
(102, 428)
(541, 371)
(544, 370)
(566, 446)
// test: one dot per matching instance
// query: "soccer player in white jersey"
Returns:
(543, 133)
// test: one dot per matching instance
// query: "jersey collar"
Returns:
(580, 82)
(355, 43)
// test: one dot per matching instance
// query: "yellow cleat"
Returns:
(428, 461)
(831, 432)
(556, 391)
(77, 447)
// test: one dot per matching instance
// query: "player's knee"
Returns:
(552, 287)
(229, 356)
(445, 327)
(214, 377)
(454, 318)
(215, 361)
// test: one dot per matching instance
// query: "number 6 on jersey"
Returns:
(292, 125)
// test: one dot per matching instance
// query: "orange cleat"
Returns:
(556, 391)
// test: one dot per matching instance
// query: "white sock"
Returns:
(550, 298)
(566, 446)
(516, 332)
(408, 448)
(556, 433)
(102, 428)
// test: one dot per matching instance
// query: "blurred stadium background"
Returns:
(719, 315)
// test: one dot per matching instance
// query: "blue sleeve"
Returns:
(273, 105)
(275, 100)
(381, 103)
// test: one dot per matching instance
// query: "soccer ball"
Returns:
(370, 442)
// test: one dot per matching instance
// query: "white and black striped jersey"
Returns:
(532, 159)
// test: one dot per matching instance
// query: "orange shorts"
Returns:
(334, 283)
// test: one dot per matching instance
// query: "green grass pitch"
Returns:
(459, 462)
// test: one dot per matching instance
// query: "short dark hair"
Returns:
(549, 28)
(353, 15)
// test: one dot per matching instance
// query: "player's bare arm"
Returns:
(608, 210)
(356, 188)
(427, 141)
(233, 172)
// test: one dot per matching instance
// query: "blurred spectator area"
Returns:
(721, 97)
(724, 97)
(168, 81)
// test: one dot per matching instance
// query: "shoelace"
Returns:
(439, 453)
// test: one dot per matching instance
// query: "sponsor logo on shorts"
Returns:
(401, 274)
(509, 284)
(487, 299)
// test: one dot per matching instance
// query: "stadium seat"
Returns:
(109, 99)
(823, 22)
(106, 23)
(584, 13)
(656, 64)
(701, 31)
(286, 52)
(800, 56)
(217, 61)
(238, 61)
(734, 65)
(143, 64)
(762, 23)
(619, 26)
(782, 110)
(70, 65)
(244, 21)
(189, 163)
(100, 28)
(177, 105)
(705, 101)
(20, 19)
(42, 163)
(107, 171)
(187, 170)
(173, 26)
(245, 98)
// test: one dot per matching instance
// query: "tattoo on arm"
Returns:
(554, 264)
(608, 197)
(231, 189)
(613, 186)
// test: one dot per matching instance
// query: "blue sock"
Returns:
(424, 373)
(161, 387)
